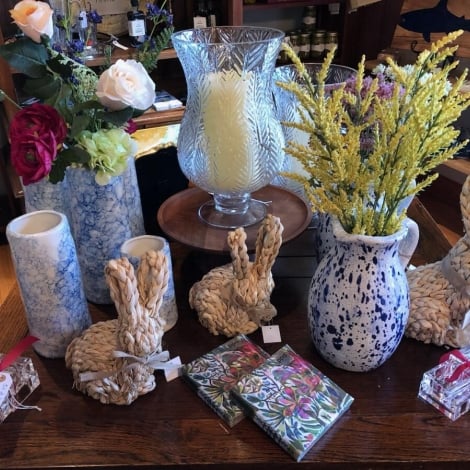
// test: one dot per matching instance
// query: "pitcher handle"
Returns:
(410, 241)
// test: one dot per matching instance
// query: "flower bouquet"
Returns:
(80, 118)
(374, 141)
(79, 128)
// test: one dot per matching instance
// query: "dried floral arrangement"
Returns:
(409, 131)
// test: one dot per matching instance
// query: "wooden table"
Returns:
(387, 427)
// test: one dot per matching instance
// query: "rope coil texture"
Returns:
(440, 292)
(235, 298)
(137, 331)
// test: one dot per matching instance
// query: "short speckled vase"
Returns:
(48, 274)
(133, 249)
(44, 195)
(102, 218)
(358, 301)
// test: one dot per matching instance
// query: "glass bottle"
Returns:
(211, 14)
(136, 24)
(200, 15)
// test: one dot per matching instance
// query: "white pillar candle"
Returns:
(230, 138)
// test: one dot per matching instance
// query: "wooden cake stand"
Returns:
(178, 218)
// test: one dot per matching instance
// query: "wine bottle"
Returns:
(200, 15)
(136, 24)
(211, 14)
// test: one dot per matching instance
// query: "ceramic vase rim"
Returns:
(342, 236)
(11, 227)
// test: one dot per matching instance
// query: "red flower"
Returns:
(37, 133)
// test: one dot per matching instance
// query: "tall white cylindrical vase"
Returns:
(133, 249)
(48, 274)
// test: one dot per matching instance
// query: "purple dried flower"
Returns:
(94, 17)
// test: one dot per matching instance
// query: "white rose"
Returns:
(126, 83)
(33, 18)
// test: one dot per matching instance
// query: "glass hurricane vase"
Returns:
(230, 142)
(287, 110)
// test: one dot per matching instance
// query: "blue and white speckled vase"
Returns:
(102, 218)
(358, 301)
(45, 195)
(48, 274)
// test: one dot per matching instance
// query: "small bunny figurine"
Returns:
(113, 361)
(235, 298)
(440, 292)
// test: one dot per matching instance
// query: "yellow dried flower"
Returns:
(412, 133)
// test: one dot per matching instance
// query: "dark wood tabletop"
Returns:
(387, 426)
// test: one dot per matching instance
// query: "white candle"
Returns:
(230, 143)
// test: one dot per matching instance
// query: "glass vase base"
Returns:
(255, 212)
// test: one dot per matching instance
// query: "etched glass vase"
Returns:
(287, 110)
(230, 142)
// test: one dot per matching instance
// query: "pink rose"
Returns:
(33, 18)
(36, 135)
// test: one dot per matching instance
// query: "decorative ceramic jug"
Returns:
(358, 301)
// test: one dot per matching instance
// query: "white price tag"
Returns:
(5, 385)
(271, 334)
(174, 370)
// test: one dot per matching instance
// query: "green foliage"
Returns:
(26, 57)
(148, 53)
(69, 87)
(412, 133)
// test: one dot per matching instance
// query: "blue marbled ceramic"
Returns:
(48, 274)
(359, 300)
(102, 218)
(44, 195)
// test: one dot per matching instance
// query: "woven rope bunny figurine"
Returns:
(235, 298)
(440, 292)
(113, 361)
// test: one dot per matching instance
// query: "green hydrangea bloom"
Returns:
(109, 150)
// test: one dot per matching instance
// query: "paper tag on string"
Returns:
(173, 372)
(271, 334)
(5, 385)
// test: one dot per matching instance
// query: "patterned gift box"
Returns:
(216, 372)
(292, 401)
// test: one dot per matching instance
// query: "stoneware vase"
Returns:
(358, 301)
(44, 195)
(325, 240)
(133, 249)
(102, 217)
(48, 274)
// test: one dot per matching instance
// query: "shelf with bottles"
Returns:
(237, 8)
(311, 28)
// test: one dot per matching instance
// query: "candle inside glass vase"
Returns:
(230, 142)
(230, 156)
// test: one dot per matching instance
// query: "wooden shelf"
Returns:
(160, 118)
(118, 53)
